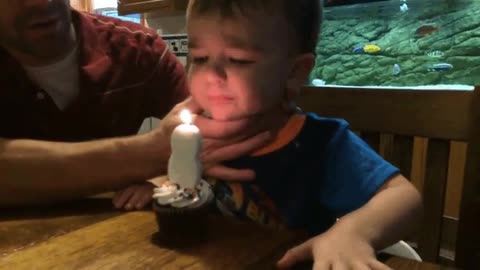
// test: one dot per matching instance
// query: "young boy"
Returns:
(253, 57)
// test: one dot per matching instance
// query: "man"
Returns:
(74, 86)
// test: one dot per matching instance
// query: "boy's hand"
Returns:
(334, 250)
(134, 197)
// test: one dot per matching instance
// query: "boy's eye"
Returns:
(199, 60)
(240, 61)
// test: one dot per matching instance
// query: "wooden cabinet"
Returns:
(167, 7)
(82, 5)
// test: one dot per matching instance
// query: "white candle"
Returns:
(184, 167)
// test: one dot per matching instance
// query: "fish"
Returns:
(318, 82)
(440, 67)
(425, 30)
(371, 48)
(358, 49)
(396, 69)
(404, 8)
(435, 54)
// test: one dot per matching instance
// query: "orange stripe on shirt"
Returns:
(285, 135)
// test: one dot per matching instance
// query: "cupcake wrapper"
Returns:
(179, 227)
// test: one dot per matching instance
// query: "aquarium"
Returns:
(399, 43)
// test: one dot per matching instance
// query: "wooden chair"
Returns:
(468, 239)
(414, 129)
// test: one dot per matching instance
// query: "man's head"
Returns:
(36, 29)
(250, 57)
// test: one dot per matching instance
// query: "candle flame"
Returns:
(186, 117)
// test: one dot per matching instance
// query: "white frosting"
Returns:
(172, 194)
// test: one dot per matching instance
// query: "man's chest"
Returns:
(33, 113)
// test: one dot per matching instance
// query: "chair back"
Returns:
(423, 132)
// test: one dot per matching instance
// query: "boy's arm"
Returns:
(388, 217)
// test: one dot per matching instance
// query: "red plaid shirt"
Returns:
(126, 75)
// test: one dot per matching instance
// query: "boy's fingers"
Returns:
(140, 197)
(338, 265)
(360, 266)
(376, 265)
(117, 196)
(123, 198)
(323, 265)
(144, 201)
(297, 254)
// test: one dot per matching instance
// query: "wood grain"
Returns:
(125, 242)
(456, 169)
(23, 228)
(425, 113)
(386, 148)
(402, 154)
(433, 199)
(128, 242)
(468, 248)
(419, 162)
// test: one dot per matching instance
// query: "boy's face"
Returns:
(240, 67)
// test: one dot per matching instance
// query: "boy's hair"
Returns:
(303, 16)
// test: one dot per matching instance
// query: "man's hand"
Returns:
(223, 140)
(334, 250)
(134, 197)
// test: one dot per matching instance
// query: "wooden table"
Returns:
(91, 235)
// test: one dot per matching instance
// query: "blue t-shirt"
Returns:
(325, 172)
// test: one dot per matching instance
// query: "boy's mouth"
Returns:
(220, 99)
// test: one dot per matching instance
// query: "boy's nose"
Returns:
(216, 74)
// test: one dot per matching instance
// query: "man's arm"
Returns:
(37, 171)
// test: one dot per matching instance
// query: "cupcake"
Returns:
(182, 213)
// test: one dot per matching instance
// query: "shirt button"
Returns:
(40, 96)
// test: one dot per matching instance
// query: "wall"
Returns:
(166, 24)
(77, 4)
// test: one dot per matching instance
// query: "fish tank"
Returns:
(113, 12)
(399, 43)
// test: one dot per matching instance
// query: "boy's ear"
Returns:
(301, 67)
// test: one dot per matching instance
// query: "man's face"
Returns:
(38, 28)
(239, 66)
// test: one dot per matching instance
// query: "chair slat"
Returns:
(373, 139)
(402, 153)
(386, 146)
(434, 196)
(456, 173)
(468, 239)
(419, 162)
